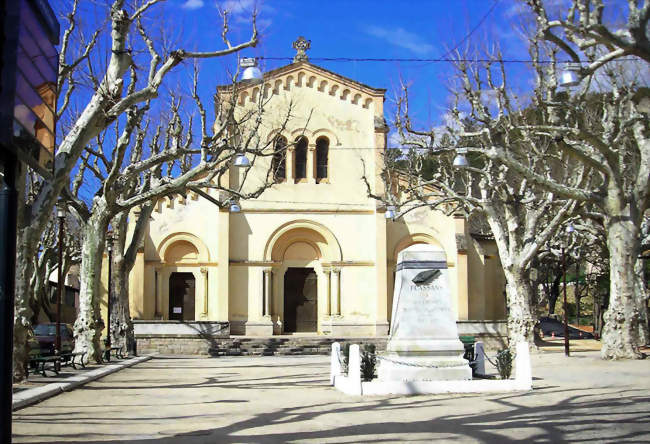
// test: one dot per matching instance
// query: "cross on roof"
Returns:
(301, 45)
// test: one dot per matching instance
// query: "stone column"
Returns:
(290, 163)
(204, 272)
(381, 321)
(327, 274)
(220, 289)
(311, 163)
(335, 292)
(276, 282)
(157, 314)
(268, 292)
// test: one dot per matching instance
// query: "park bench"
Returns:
(117, 352)
(42, 361)
(70, 357)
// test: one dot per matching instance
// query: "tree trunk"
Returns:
(521, 321)
(620, 338)
(122, 328)
(22, 309)
(88, 326)
(124, 259)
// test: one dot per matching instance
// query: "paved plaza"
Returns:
(172, 399)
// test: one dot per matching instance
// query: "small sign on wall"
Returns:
(178, 310)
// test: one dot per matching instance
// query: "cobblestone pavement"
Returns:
(287, 399)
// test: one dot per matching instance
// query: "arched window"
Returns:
(322, 151)
(301, 158)
(280, 158)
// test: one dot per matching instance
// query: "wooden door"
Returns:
(181, 296)
(300, 300)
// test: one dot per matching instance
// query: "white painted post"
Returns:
(335, 363)
(354, 369)
(479, 357)
(524, 373)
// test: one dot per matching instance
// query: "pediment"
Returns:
(306, 75)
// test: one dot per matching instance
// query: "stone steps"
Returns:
(285, 346)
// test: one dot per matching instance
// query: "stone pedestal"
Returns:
(262, 327)
(423, 344)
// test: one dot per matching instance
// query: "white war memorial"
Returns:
(424, 353)
(423, 342)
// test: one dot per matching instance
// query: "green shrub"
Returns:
(504, 363)
(368, 362)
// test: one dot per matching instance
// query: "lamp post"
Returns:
(569, 230)
(109, 247)
(60, 214)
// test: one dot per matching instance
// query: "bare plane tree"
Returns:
(606, 132)
(117, 95)
(590, 145)
(521, 218)
(173, 166)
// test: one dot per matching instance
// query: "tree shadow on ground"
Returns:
(591, 415)
(550, 413)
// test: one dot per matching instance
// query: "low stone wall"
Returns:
(206, 329)
(214, 338)
(175, 345)
(180, 338)
(493, 334)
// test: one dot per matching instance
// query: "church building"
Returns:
(314, 254)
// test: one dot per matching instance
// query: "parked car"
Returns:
(46, 336)
(552, 327)
(34, 345)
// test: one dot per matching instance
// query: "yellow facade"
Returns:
(240, 265)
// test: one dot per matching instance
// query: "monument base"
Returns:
(395, 367)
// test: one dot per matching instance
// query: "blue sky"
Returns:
(360, 29)
(422, 29)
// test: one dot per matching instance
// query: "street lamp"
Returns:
(460, 161)
(570, 76)
(251, 71)
(234, 207)
(60, 214)
(569, 230)
(241, 161)
(390, 212)
(109, 247)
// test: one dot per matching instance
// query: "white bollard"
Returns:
(524, 374)
(335, 363)
(354, 369)
(479, 357)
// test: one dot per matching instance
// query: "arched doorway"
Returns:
(181, 296)
(300, 300)
(301, 292)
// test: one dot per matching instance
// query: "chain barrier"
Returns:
(495, 357)
(412, 364)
